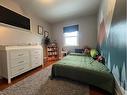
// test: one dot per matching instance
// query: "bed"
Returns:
(84, 69)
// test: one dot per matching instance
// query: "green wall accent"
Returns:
(114, 47)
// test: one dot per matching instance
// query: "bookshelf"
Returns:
(52, 53)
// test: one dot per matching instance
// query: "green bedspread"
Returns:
(86, 70)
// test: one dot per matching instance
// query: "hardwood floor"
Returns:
(4, 84)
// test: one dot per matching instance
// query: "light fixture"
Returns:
(47, 1)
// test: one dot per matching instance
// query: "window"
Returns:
(71, 35)
(71, 38)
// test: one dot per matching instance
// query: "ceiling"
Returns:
(59, 10)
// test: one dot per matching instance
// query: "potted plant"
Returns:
(47, 41)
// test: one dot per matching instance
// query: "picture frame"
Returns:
(46, 33)
(40, 30)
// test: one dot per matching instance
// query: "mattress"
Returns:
(86, 70)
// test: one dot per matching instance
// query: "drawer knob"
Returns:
(20, 61)
(20, 54)
(21, 69)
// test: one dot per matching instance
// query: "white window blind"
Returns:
(71, 35)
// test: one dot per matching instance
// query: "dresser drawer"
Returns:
(36, 57)
(36, 62)
(18, 54)
(36, 52)
(19, 69)
(19, 61)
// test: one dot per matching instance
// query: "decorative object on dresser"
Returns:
(46, 41)
(52, 52)
(16, 60)
(46, 33)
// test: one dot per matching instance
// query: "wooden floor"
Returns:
(4, 84)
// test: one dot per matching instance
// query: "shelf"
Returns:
(52, 52)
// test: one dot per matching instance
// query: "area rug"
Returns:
(40, 84)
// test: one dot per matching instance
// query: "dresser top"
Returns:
(16, 47)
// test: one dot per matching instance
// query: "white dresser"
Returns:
(16, 60)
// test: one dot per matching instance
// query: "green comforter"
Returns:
(86, 70)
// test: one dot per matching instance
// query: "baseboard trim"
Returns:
(0, 77)
(118, 89)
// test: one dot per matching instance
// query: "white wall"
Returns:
(87, 31)
(14, 35)
(10, 35)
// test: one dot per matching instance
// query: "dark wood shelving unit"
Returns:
(52, 53)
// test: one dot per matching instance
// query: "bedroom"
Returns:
(100, 24)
